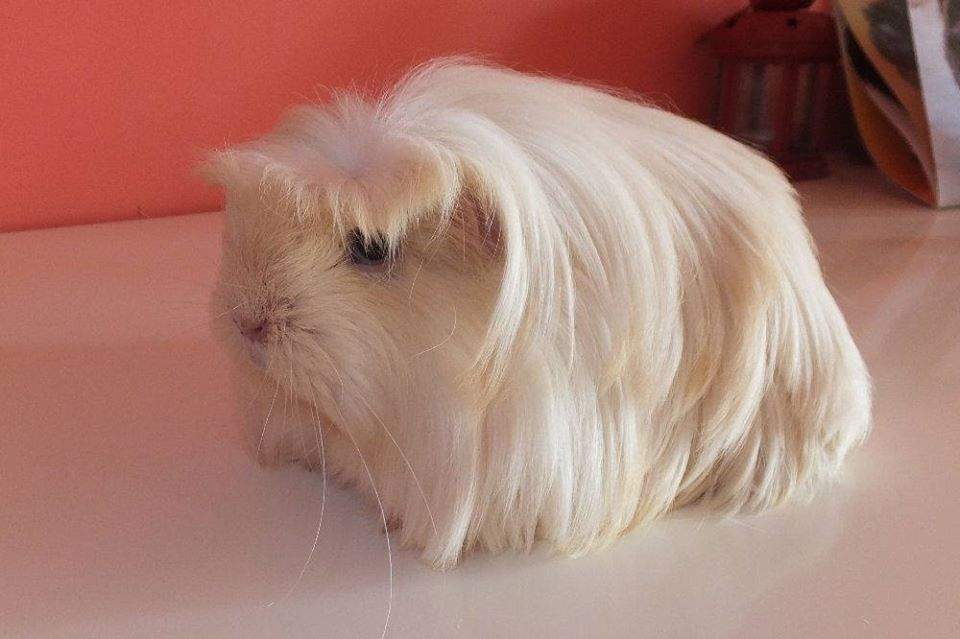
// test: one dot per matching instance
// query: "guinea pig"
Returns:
(516, 309)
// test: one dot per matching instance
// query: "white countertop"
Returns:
(129, 509)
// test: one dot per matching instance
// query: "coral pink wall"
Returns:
(108, 105)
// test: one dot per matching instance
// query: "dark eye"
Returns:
(366, 250)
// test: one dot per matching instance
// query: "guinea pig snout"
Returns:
(255, 330)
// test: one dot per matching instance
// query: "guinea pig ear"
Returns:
(273, 169)
(232, 169)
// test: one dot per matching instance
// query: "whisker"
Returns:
(416, 480)
(284, 427)
(267, 418)
(253, 389)
(386, 528)
(416, 276)
(403, 456)
(229, 310)
(336, 371)
(423, 262)
(444, 340)
(303, 445)
(323, 507)
(323, 497)
(463, 227)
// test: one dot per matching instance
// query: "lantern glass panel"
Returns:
(757, 91)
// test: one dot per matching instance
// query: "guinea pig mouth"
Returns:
(256, 353)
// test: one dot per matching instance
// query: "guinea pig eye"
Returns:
(366, 251)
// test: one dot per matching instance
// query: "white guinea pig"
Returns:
(518, 309)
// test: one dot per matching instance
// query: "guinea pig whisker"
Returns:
(386, 528)
(284, 425)
(406, 461)
(294, 406)
(229, 310)
(323, 503)
(403, 456)
(336, 372)
(425, 260)
(266, 420)
(444, 340)
(323, 486)
(257, 392)
(416, 276)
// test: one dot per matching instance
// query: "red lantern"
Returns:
(777, 61)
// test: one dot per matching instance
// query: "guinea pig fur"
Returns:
(516, 309)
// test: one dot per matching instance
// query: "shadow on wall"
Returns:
(115, 103)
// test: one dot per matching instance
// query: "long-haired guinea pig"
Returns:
(517, 309)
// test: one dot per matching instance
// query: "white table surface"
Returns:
(129, 509)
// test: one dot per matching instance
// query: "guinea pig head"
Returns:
(359, 268)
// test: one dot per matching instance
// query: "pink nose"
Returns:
(255, 332)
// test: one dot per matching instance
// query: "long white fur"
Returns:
(595, 311)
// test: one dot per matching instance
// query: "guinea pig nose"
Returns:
(255, 332)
